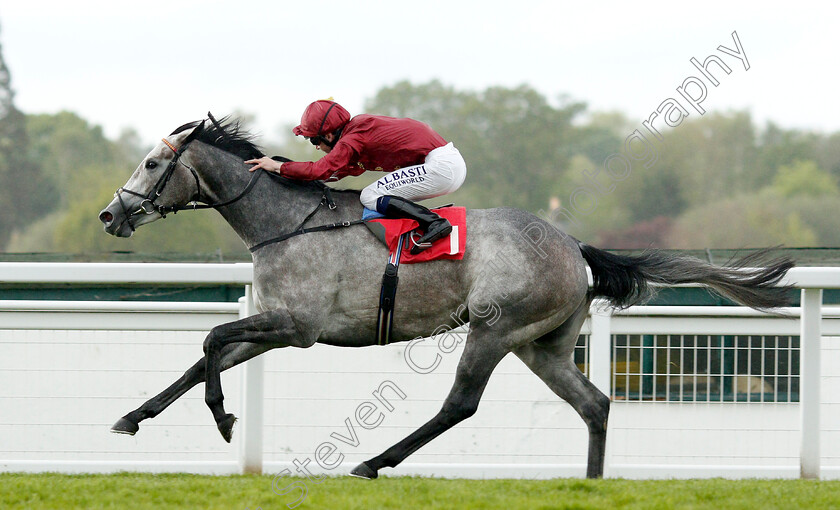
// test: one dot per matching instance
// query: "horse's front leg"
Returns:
(232, 355)
(272, 329)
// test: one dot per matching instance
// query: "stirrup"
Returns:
(416, 246)
(419, 245)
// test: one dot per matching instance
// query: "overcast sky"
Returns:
(154, 65)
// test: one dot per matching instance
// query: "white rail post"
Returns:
(600, 345)
(251, 445)
(599, 350)
(809, 382)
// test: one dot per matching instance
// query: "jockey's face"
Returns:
(324, 147)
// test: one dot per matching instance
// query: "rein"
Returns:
(148, 205)
(301, 230)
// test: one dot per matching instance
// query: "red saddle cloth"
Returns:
(451, 247)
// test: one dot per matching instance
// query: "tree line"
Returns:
(718, 181)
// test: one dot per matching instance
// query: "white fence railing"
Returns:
(68, 369)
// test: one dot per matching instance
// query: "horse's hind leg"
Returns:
(480, 357)
(232, 355)
(550, 357)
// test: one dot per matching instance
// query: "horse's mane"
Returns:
(236, 140)
(232, 137)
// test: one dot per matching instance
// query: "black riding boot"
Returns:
(433, 226)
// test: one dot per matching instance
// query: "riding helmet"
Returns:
(322, 117)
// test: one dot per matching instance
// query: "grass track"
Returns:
(142, 491)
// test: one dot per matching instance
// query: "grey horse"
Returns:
(522, 285)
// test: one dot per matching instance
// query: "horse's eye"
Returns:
(151, 165)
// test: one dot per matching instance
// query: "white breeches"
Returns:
(443, 171)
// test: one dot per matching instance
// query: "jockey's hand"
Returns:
(266, 164)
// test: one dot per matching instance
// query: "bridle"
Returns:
(149, 205)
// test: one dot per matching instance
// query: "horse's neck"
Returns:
(269, 209)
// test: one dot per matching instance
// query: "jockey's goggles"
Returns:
(315, 140)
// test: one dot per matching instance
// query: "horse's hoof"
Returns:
(364, 471)
(226, 426)
(124, 426)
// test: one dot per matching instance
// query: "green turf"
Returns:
(139, 491)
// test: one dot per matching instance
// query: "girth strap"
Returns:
(387, 296)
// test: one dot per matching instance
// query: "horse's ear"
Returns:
(187, 133)
(194, 133)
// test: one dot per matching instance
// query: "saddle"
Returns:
(399, 235)
(389, 231)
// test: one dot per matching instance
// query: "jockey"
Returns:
(419, 163)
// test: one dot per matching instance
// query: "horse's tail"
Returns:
(626, 280)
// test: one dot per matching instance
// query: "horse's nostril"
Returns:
(106, 217)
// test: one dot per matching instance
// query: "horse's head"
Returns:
(163, 182)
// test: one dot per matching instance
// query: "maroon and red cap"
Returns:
(322, 117)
